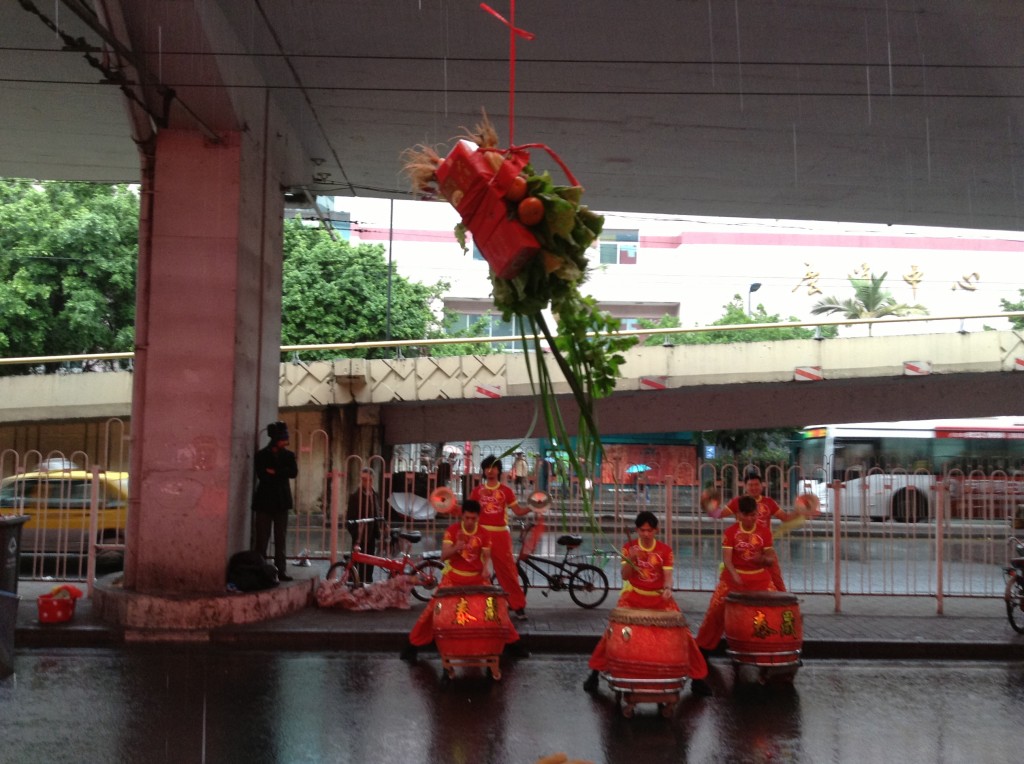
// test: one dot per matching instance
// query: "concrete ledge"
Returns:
(183, 617)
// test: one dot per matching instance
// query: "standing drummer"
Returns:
(647, 585)
(495, 499)
(465, 551)
(748, 557)
(767, 508)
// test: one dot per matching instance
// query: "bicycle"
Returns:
(587, 584)
(1015, 587)
(427, 571)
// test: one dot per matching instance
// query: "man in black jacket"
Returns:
(272, 500)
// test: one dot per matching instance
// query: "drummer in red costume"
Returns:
(495, 498)
(748, 555)
(767, 508)
(647, 585)
(466, 555)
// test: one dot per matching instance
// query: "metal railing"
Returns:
(891, 533)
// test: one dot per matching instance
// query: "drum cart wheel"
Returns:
(663, 692)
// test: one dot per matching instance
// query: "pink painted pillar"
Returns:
(207, 357)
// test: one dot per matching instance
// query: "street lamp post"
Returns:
(753, 288)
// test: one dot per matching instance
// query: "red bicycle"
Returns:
(425, 568)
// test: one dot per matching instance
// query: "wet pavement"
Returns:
(209, 703)
(886, 679)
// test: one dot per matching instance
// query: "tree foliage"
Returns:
(734, 315)
(1017, 323)
(870, 300)
(335, 292)
(68, 254)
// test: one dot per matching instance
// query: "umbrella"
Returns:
(637, 468)
(411, 505)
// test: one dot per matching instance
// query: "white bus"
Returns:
(893, 470)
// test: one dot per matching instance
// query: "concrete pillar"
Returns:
(207, 355)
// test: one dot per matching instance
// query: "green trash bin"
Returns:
(8, 620)
(10, 551)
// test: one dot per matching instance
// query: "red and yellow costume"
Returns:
(643, 588)
(747, 546)
(463, 568)
(495, 500)
(767, 508)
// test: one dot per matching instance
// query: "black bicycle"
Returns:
(1015, 587)
(587, 583)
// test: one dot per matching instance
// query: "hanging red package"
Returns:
(468, 180)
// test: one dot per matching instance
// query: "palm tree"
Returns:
(869, 300)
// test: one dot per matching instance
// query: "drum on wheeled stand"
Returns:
(764, 630)
(471, 627)
(648, 657)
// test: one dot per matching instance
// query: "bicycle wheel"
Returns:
(1015, 605)
(428, 576)
(339, 572)
(588, 586)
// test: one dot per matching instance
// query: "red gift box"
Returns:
(468, 180)
(55, 609)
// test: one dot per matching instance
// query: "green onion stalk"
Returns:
(586, 345)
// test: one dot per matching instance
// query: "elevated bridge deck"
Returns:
(663, 389)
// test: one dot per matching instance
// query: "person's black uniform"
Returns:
(272, 499)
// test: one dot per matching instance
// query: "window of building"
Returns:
(619, 246)
(495, 327)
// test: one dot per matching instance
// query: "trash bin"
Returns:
(8, 620)
(10, 551)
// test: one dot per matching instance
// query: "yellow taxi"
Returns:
(57, 498)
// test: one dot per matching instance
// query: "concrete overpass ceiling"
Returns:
(884, 111)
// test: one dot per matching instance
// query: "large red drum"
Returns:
(764, 628)
(647, 644)
(470, 621)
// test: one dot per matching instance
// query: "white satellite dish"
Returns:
(411, 505)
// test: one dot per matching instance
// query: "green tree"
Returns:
(336, 292)
(735, 315)
(68, 254)
(870, 300)
(1017, 323)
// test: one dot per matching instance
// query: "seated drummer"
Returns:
(749, 558)
(466, 553)
(647, 585)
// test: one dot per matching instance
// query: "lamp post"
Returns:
(753, 288)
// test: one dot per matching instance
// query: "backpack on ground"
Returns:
(249, 572)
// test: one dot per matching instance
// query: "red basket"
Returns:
(55, 609)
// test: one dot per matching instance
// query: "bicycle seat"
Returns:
(570, 540)
(411, 536)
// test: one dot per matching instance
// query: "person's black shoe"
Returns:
(516, 650)
(520, 614)
(409, 653)
(284, 577)
(700, 688)
(591, 683)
